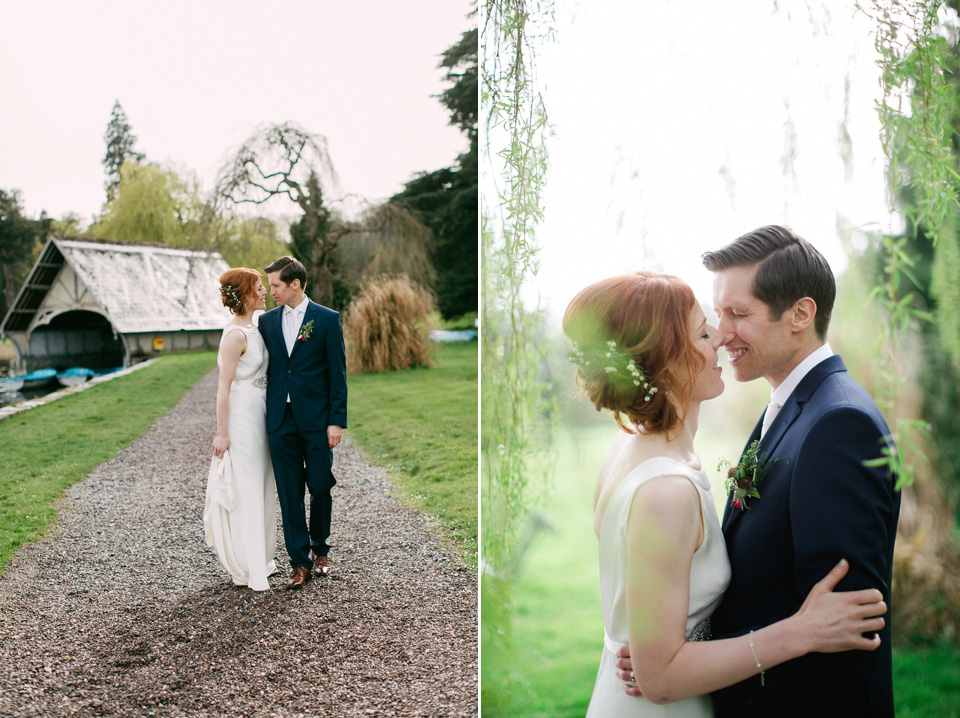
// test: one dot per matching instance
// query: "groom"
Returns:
(306, 412)
(773, 293)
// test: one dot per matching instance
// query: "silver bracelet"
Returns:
(754, 652)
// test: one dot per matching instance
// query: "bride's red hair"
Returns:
(243, 280)
(647, 315)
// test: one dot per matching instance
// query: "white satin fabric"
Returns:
(709, 578)
(239, 515)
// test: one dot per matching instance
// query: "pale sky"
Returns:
(673, 124)
(197, 78)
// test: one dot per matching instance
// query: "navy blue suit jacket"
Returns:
(314, 374)
(817, 504)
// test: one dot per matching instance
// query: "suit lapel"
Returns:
(730, 513)
(272, 329)
(278, 332)
(788, 414)
(308, 315)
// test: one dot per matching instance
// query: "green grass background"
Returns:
(422, 426)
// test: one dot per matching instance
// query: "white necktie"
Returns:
(768, 416)
(290, 330)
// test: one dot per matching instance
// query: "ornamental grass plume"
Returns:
(385, 328)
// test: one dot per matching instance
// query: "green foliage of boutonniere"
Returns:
(743, 478)
(305, 331)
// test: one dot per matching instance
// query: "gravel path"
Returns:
(124, 611)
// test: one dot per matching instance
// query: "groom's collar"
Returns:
(787, 386)
(300, 308)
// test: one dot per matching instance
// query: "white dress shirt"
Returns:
(292, 320)
(779, 396)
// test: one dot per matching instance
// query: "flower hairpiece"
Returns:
(231, 292)
(613, 361)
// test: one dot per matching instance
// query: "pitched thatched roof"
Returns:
(139, 287)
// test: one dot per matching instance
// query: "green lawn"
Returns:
(542, 636)
(47, 449)
(422, 426)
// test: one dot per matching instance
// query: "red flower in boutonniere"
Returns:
(743, 478)
(305, 331)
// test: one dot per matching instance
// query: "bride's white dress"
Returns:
(709, 577)
(239, 515)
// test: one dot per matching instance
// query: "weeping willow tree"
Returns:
(918, 295)
(920, 49)
(512, 406)
(388, 240)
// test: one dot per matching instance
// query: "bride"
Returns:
(645, 352)
(239, 516)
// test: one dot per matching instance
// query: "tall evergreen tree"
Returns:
(120, 141)
(446, 199)
(313, 226)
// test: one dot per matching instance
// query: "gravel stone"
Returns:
(122, 610)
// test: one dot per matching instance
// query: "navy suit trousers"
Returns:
(289, 444)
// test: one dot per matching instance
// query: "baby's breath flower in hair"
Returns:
(613, 361)
(231, 291)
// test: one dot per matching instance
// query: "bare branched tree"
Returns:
(286, 161)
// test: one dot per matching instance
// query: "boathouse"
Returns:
(104, 303)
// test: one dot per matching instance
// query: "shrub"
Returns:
(385, 327)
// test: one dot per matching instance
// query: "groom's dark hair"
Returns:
(790, 268)
(289, 269)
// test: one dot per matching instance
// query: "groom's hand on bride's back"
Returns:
(625, 672)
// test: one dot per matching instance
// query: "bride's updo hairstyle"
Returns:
(647, 316)
(236, 287)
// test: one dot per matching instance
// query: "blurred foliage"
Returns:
(253, 242)
(926, 570)
(150, 204)
(516, 416)
(916, 280)
(388, 240)
(311, 228)
(21, 239)
(918, 44)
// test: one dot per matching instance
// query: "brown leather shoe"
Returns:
(299, 577)
(321, 565)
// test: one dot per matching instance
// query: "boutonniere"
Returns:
(743, 478)
(305, 331)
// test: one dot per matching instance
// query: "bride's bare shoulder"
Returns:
(626, 453)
